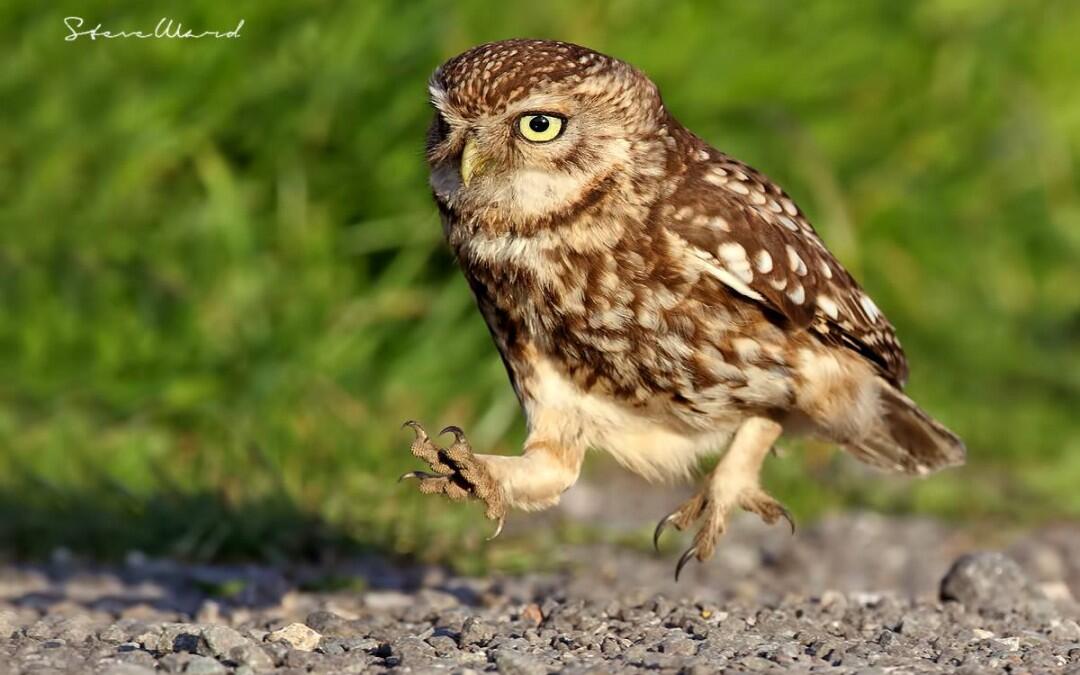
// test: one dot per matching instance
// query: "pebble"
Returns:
(988, 582)
(298, 635)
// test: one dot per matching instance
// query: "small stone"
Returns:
(610, 646)
(328, 623)
(1066, 631)
(980, 634)
(532, 614)
(175, 662)
(221, 640)
(413, 652)
(204, 665)
(298, 635)
(1011, 644)
(988, 581)
(124, 630)
(299, 660)
(251, 655)
(510, 662)
(443, 645)
(475, 632)
(679, 646)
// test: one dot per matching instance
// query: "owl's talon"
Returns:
(459, 435)
(457, 472)
(498, 527)
(661, 527)
(416, 474)
(416, 427)
(683, 559)
(786, 515)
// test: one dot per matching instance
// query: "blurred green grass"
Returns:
(222, 285)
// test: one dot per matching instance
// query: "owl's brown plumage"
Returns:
(649, 294)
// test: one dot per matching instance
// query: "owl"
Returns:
(650, 296)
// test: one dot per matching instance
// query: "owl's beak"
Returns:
(472, 164)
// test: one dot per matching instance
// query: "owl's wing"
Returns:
(754, 238)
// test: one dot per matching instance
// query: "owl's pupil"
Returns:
(539, 124)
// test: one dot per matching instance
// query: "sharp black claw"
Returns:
(459, 435)
(415, 426)
(683, 559)
(660, 527)
(790, 521)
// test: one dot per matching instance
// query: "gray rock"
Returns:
(328, 623)
(475, 632)
(510, 662)
(988, 582)
(204, 665)
(219, 641)
(678, 645)
(253, 656)
(126, 669)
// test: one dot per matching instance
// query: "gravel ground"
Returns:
(853, 593)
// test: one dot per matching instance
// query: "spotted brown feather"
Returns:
(751, 229)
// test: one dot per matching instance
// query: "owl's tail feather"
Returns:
(907, 439)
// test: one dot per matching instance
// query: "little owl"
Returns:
(650, 295)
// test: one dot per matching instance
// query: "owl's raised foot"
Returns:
(714, 503)
(458, 473)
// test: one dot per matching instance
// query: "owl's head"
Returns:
(527, 131)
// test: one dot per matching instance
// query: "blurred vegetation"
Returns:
(222, 284)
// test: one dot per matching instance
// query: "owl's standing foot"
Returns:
(733, 483)
(458, 473)
(715, 509)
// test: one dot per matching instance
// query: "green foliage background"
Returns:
(222, 285)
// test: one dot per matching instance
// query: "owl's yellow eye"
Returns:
(540, 127)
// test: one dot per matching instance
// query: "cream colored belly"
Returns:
(558, 408)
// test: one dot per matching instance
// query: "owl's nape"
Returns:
(649, 295)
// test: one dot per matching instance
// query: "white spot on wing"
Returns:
(829, 306)
(726, 277)
(869, 307)
(716, 176)
(788, 223)
(797, 294)
(796, 262)
(719, 223)
(763, 261)
(735, 260)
